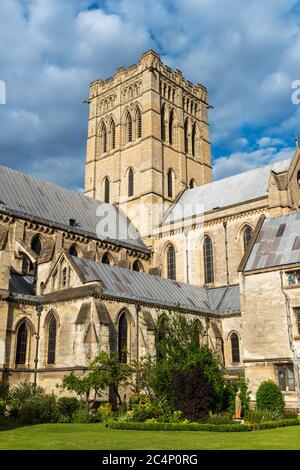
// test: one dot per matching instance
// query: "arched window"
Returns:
(208, 261)
(171, 263)
(52, 327)
(192, 183)
(27, 265)
(105, 259)
(198, 330)
(171, 125)
(247, 235)
(138, 119)
(194, 140)
(21, 344)
(112, 135)
(106, 190)
(73, 250)
(186, 138)
(128, 127)
(130, 182)
(137, 266)
(235, 347)
(36, 244)
(163, 125)
(170, 183)
(123, 338)
(103, 138)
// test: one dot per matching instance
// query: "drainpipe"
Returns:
(226, 251)
(39, 309)
(291, 337)
(187, 256)
(138, 308)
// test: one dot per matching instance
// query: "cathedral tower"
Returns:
(148, 137)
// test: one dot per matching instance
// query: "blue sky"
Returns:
(246, 53)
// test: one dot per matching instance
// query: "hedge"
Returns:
(202, 427)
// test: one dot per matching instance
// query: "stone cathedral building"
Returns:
(80, 274)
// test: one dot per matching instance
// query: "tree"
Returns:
(84, 386)
(114, 373)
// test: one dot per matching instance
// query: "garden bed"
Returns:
(202, 427)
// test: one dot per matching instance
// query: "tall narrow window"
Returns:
(27, 265)
(235, 347)
(105, 259)
(297, 314)
(138, 118)
(123, 338)
(73, 251)
(163, 125)
(51, 339)
(130, 182)
(106, 190)
(36, 244)
(129, 127)
(286, 377)
(171, 125)
(64, 277)
(21, 344)
(208, 261)
(171, 262)
(247, 235)
(170, 183)
(186, 138)
(112, 135)
(194, 140)
(104, 138)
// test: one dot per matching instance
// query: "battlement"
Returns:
(149, 61)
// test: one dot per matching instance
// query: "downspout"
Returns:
(291, 337)
(138, 308)
(187, 256)
(226, 251)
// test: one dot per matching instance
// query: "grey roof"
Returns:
(19, 284)
(277, 243)
(235, 189)
(225, 299)
(48, 203)
(155, 291)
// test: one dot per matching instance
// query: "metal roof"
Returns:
(19, 284)
(225, 299)
(156, 291)
(235, 189)
(48, 203)
(277, 243)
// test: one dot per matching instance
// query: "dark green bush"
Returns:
(269, 397)
(220, 419)
(39, 408)
(275, 424)
(66, 407)
(83, 416)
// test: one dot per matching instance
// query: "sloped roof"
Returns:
(235, 189)
(155, 291)
(224, 299)
(48, 203)
(19, 284)
(277, 243)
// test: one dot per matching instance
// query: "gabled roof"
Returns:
(236, 189)
(277, 243)
(128, 285)
(45, 202)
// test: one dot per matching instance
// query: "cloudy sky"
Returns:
(245, 51)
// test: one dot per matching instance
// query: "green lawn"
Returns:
(96, 436)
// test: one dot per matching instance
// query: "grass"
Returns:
(96, 437)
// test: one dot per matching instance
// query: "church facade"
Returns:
(80, 274)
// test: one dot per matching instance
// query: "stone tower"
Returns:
(148, 139)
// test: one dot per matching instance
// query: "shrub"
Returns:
(220, 419)
(269, 397)
(260, 416)
(184, 426)
(104, 412)
(66, 407)
(39, 408)
(83, 416)
(2, 406)
(192, 393)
